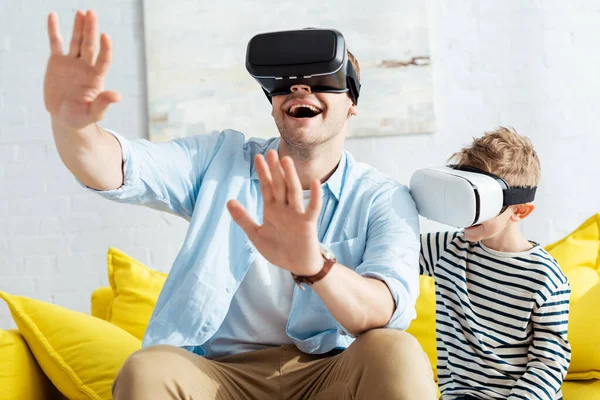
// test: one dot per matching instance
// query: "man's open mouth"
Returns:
(303, 111)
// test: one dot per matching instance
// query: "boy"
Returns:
(502, 302)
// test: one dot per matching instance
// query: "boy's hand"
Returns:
(74, 83)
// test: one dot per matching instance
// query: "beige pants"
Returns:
(381, 364)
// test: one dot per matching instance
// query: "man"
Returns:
(230, 321)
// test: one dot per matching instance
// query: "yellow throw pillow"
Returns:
(102, 299)
(20, 375)
(136, 289)
(79, 353)
(423, 327)
(578, 254)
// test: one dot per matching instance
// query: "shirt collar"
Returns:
(271, 144)
(335, 182)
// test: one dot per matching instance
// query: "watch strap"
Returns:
(327, 265)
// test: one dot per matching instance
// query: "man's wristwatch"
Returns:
(329, 261)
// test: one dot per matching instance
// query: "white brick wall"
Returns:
(54, 235)
(528, 64)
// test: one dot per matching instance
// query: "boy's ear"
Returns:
(522, 211)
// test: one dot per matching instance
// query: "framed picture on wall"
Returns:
(197, 80)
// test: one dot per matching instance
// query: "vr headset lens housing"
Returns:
(463, 196)
(313, 57)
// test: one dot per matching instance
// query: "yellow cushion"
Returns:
(20, 375)
(578, 254)
(79, 353)
(423, 327)
(581, 390)
(136, 289)
(102, 299)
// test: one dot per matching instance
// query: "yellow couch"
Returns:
(58, 353)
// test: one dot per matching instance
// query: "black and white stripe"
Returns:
(501, 319)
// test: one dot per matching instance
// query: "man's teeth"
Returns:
(312, 108)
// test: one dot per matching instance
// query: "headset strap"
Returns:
(352, 82)
(518, 195)
(511, 195)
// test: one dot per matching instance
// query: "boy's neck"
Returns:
(509, 240)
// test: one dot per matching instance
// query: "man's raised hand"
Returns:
(74, 82)
(288, 234)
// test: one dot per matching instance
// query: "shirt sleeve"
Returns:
(164, 175)
(433, 246)
(392, 251)
(550, 352)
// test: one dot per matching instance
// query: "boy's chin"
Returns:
(472, 233)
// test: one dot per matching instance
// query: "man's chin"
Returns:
(297, 128)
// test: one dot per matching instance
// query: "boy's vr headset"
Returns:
(313, 57)
(463, 196)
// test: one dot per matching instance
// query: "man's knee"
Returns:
(389, 343)
(397, 364)
(147, 362)
(147, 367)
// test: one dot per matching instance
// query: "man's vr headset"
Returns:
(463, 196)
(313, 57)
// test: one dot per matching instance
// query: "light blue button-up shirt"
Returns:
(367, 219)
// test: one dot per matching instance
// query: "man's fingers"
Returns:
(101, 103)
(89, 44)
(56, 44)
(314, 206)
(241, 217)
(264, 178)
(278, 185)
(105, 56)
(77, 37)
(294, 187)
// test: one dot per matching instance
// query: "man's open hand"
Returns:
(288, 236)
(74, 82)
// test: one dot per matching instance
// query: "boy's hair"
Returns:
(505, 153)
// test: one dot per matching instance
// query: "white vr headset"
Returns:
(463, 196)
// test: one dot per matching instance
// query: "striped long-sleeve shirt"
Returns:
(501, 319)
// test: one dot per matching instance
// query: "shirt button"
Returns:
(205, 328)
(251, 249)
(228, 290)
